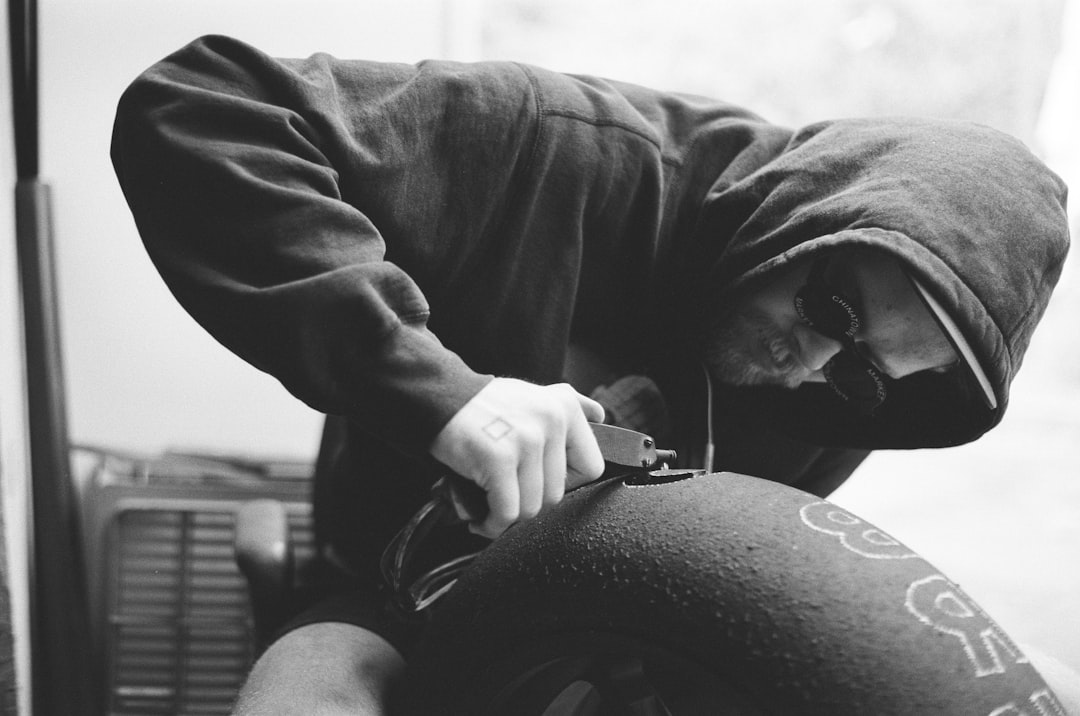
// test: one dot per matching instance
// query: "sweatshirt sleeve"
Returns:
(234, 166)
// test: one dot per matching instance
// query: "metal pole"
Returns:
(62, 678)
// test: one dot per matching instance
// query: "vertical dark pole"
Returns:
(60, 631)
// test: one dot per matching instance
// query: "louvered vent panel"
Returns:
(302, 537)
(179, 620)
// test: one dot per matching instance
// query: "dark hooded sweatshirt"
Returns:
(383, 238)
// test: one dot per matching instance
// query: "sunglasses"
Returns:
(828, 311)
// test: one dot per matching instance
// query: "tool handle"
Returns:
(468, 500)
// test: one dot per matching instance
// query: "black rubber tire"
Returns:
(717, 594)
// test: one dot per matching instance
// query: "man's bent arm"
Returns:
(254, 182)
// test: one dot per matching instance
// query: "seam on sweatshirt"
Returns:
(1018, 325)
(602, 122)
(543, 111)
(538, 103)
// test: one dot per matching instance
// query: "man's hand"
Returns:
(524, 444)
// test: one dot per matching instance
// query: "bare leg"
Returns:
(323, 670)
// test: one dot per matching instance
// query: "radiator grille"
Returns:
(179, 622)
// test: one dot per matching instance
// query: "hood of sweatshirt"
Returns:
(970, 213)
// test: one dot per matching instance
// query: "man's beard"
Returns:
(729, 354)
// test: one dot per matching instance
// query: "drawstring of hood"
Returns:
(710, 445)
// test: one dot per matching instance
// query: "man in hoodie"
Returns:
(416, 251)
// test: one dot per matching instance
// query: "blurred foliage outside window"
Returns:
(797, 62)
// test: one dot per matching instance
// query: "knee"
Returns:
(323, 669)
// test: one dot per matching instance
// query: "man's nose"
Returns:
(815, 350)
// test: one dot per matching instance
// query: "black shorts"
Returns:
(330, 594)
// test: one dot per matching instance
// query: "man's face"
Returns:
(761, 340)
